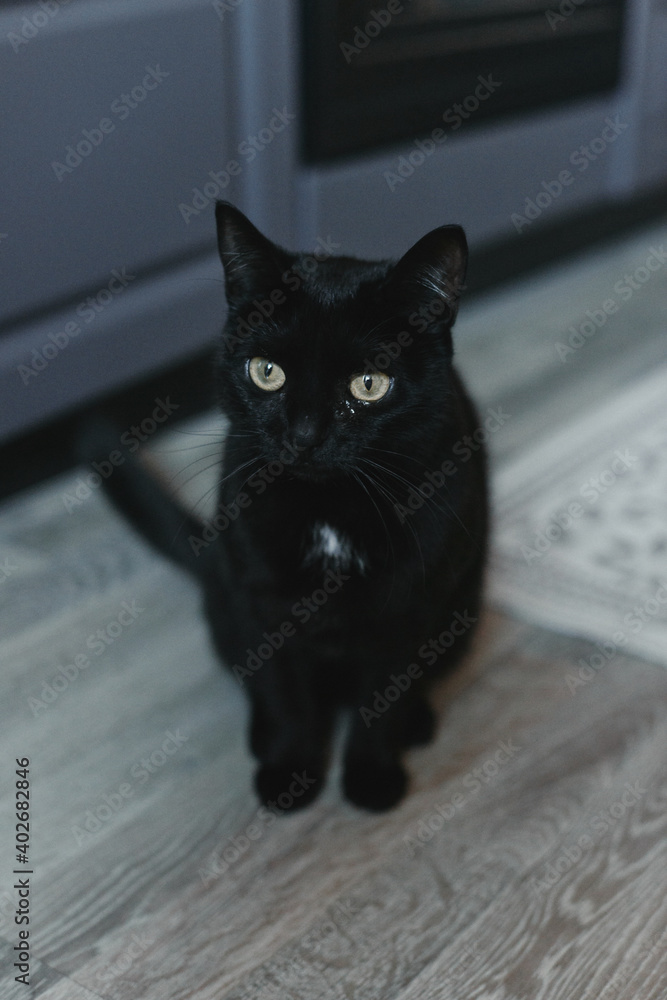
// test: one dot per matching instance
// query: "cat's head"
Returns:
(341, 358)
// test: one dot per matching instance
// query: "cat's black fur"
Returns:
(343, 522)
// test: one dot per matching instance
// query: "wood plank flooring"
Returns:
(528, 862)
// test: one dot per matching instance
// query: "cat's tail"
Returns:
(139, 495)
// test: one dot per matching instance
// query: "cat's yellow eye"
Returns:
(266, 374)
(370, 387)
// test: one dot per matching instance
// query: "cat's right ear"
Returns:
(433, 270)
(253, 264)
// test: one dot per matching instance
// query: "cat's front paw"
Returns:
(374, 786)
(288, 787)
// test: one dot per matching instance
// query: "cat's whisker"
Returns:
(188, 447)
(191, 433)
(413, 531)
(209, 491)
(197, 461)
(388, 533)
(201, 458)
(239, 468)
(219, 433)
(430, 504)
(201, 471)
(387, 451)
(405, 482)
(206, 495)
(413, 484)
(389, 496)
(220, 481)
(256, 472)
(428, 500)
(356, 475)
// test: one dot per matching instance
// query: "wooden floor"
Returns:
(529, 861)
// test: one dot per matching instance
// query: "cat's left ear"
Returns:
(434, 269)
(253, 264)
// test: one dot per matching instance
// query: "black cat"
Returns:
(343, 567)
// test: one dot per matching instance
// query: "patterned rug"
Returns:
(581, 527)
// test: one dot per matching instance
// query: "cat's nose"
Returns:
(306, 432)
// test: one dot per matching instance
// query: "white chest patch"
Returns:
(333, 550)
